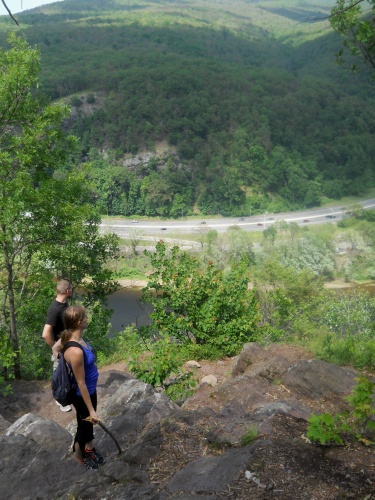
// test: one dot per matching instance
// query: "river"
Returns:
(128, 309)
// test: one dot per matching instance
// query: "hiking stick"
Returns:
(105, 429)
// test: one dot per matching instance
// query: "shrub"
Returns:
(75, 101)
(326, 429)
(163, 361)
(201, 304)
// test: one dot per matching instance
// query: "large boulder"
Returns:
(213, 474)
(44, 432)
(315, 378)
(269, 361)
(33, 470)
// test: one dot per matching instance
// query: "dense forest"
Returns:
(239, 105)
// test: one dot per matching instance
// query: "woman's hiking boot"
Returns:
(95, 457)
(90, 463)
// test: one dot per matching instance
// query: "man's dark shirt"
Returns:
(55, 318)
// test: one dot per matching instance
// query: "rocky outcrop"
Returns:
(142, 159)
(196, 451)
(315, 378)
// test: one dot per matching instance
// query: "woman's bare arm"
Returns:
(74, 356)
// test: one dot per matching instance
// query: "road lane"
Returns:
(253, 223)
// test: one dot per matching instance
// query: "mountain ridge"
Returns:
(247, 109)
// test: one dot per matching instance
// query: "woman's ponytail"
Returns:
(65, 337)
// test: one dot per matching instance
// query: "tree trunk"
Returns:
(13, 327)
(12, 309)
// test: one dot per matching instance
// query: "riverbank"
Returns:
(340, 283)
(369, 286)
(132, 283)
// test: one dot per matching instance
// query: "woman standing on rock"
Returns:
(81, 360)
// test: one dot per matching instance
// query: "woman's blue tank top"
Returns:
(91, 370)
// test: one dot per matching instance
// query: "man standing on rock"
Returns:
(55, 324)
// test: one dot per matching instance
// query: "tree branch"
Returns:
(336, 13)
(9, 12)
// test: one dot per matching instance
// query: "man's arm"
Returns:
(56, 349)
(48, 335)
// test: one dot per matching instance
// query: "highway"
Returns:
(124, 227)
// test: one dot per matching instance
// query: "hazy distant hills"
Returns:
(300, 28)
(246, 92)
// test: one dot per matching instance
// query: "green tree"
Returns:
(343, 326)
(270, 233)
(310, 252)
(346, 314)
(201, 230)
(240, 246)
(294, 231)
(211, 239)
(357, 27)
(31, 143)
(110, 185)
(46, 229)
(135, 238)
(200, 304)
(157, 194)
(179, 207)
(283, 292)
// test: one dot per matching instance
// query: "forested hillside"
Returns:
(245, 98)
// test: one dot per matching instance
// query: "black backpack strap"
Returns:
(71, 343)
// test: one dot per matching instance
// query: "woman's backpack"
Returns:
(63, 383)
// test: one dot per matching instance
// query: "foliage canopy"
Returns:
(199, 304)
(47, 228)
(252, 114)
(355, 21)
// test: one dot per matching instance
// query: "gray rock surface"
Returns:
(315, 378)
(213, 474)
(4, 424)
(200, 442)
(43, 432)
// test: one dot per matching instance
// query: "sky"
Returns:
(16, 6)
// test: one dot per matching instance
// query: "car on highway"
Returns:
(134, 221)
(270, 218)
(241, 219)
(259, 224)
(203, 222)
(330, 216)
(306, 220)
(163, 228)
